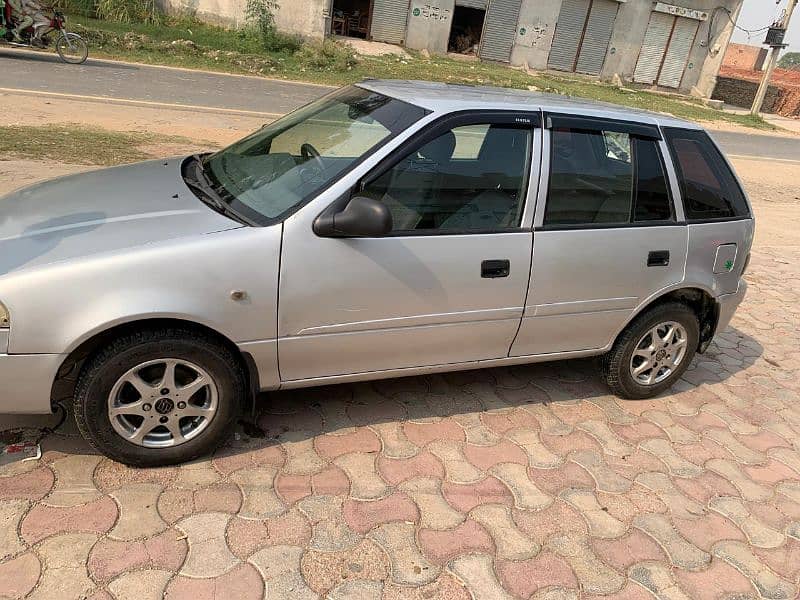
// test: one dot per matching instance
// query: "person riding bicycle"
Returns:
(29, 13)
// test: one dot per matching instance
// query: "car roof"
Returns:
(447, 97)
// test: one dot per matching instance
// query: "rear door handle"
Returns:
(492, 269)
(658, 258)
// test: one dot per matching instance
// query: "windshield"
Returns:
(273, 171)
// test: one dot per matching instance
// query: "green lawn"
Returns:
(195, 45)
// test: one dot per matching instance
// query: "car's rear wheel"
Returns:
(653, 351)
(159, 397)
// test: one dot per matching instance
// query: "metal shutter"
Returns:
(569, 29)
(500, 29)
(481, 4)
(653, 47)
(598, 33)
(678, 52)
(389, 19)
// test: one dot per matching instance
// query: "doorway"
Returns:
(465, 33)
(351, 18)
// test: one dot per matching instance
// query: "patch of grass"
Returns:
(190, 44)
(74, 144)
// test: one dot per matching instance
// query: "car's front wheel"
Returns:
(653, 351)
(159, 397)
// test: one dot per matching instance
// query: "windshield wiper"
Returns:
(211, 196)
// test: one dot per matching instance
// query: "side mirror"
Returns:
(362, 217)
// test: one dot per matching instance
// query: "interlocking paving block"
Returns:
(11, 513)
(594, 576)
(759, 534)
(138, 511)
(677, 465)
(554, 593)
(357, 589)
(408, 565)
(140, 585)
(365, 483)
(209, 555)
(677, 502)
(74, 484)
(793, 530)
(740, 452)
(749, 489)
(510, 542)
(613, 411)
(258, 491)
(65, 559)
(280, 568)
(601, 523)
(612, 444)
(329, 529)
(527, 495)
(435, 512)
(766, 581)
(476, 572)
(734, 422)
(19, 575)
(548, 420)
(394, 440)
(476, 431)
(681, 551)
(539, 455)
(791, 458)
(301, 456)
(657, 579)
(676, 432)
(606, 479)
(457, 468)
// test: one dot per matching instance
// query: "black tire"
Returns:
(616, 363)
(104, 369)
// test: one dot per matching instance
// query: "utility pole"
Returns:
(776, 46)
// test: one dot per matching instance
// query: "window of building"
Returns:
(470, 178)
(605, 178)
(708, 187)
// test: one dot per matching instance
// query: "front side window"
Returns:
(605, 178)
(470, 178)
(709, 188)
(269, 173)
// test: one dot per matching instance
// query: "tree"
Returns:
(790, 60)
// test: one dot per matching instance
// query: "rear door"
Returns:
(607, 234)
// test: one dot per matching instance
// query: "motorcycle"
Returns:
(71, 47)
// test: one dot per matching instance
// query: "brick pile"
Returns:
(738, 87)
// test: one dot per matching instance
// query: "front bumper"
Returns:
(728, 303)
(26, 381)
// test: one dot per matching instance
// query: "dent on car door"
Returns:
(607, 234)
(447, 285)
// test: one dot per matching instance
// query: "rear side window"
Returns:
(709, 188)
(605, 178)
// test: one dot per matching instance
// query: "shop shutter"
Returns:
(481, 4)
(389, 19)
(500, 30)
(653, 47)
(569, 29)
(678, 52)
(599, 28)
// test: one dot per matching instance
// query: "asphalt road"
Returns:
(44, 73)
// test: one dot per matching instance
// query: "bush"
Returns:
(260, 15)
(87, 8)
(327, 56)
(129, 11)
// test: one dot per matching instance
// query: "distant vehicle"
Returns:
(71, 47)
(388, 229)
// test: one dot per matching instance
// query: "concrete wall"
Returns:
(429, 23)
(303, 17)
(537, 24)
(743, 56)
(702, 67)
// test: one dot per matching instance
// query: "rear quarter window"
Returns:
(708, 186)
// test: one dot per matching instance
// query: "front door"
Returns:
(607, 238)
(448, 285)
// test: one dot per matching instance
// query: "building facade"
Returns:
(677, 45)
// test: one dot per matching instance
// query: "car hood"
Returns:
(101, 211)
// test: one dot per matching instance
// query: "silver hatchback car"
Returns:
(390, 228)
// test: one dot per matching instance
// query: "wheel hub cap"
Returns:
(659, 353)
(140, 411)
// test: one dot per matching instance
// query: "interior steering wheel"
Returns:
(307, 151)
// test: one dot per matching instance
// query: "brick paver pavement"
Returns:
(524, 482)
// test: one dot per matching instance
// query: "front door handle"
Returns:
(492, 269)
(658, 258)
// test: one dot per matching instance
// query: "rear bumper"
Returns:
(26, 381)
(728, 303)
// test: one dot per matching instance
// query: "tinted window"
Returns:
(470, 178)
(709, 188)
(602, 177)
